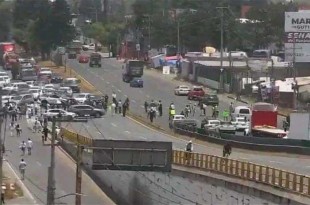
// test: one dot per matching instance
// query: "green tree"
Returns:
(5, 17)
(271, 24)
(48, 28)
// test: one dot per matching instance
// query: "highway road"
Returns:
(108, 79)
(156, 187)
(120, 128)
(36, 171)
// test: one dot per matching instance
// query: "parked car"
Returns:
(93, 100)
(23, 99)
(136, 82)
(20, 87)
(73, 83)
(35, 93)
(182, 90)
(81, 97)
(65, 90)
(196, 93)
(86, 110)
(209, 100)
(83, 58)
(56, 78)
(56, 112)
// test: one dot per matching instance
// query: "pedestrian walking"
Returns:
(231, 109)
(106, 99)
(124, 109)
(152, 114)
(45, 133)
(194, 109)
(22, 147)
(114, 97)
(113, 108)
(160, 108)
(29, 146)
(22, 168)
(146, 105)
(18, 130)
(189, 149)
(127, 103)
(119, 106)
(204, 108)
(225, 115)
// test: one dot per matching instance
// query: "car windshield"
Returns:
(17, 97)
(80, 96)
(244, 111)
(23, 86)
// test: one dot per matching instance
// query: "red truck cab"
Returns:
(196, 93)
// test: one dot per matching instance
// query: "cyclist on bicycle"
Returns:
(29, 146)
(23, 146)
(22, 167)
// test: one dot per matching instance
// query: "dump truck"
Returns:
(133, 69)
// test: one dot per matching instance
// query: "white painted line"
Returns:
(119, 90)
(133, 101)
(99, 133)
(114, 125)
(127, 132)
(148, 96)
(23, 186)
(108, 83)
(142, 106)
(112, 86)
(142, 137)
(39, 164)
(101, 78)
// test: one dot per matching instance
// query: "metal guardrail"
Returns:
(245, 170)
(234, 168)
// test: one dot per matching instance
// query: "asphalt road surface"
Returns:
(36, 171)
(108, 79)
(121, 128)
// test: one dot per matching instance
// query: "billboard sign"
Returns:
(302, 52)
(297, 36)
(297, 21)
(127, 155)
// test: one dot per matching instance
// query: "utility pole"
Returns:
(51, 170)
(178, 27)
(78, 180)
(1, 144)
(273, 81)
(294, 76)
(149, 31)
(221, 83)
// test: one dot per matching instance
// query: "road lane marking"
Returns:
(112, 86)
(101, 78)
(114, 125)
(142, 137)
(108, 83)
(98, 132)
(127, 132)
(119, 90)
(133, 101)
(148, 96)
(142, 106)
(39, 164)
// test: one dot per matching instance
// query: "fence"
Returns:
(245, 170)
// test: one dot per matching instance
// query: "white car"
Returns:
(4, 74)
(81, 97)
(55, 112)
(20, 86)
(182, 90)
(49, 86)
(89, 47)
(45, 70)
(35, 92)
(66, 90)
(3, 81)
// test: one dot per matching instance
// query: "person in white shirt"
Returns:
(29, 146)
(22, 168)
(23, 146)
(113, 106)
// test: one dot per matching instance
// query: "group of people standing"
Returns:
(118, 107)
